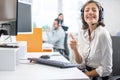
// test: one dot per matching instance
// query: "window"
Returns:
(71, 10)
(44, 12)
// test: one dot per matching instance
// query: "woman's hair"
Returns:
(100, 20)
(60, 14)
(60, 21)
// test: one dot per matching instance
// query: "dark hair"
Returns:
(60, 21)
(60, 14)
(100, 20)
(57, 20)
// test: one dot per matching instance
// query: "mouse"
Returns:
(45, 56)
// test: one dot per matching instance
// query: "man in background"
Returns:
(56, 37)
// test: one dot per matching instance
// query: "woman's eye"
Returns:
(94, 10)
(86, 10)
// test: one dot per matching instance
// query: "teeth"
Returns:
(90, 17)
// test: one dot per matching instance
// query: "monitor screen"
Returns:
(8, 21)
(24, 17)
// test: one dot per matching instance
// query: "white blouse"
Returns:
(98, 52)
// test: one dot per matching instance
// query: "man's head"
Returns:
(56, 23)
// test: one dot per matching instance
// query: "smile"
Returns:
(90, 17)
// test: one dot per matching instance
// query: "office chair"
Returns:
(116, 58)
(66, 49)
(65, 28)
(118, 34)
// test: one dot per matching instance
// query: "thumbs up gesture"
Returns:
(73, 42)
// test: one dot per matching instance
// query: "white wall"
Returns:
(44, 12)
(111, 15)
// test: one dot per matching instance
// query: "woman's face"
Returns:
(91, 14)
(60, 17)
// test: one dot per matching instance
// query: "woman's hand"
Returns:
(73, 42)
(73, 45)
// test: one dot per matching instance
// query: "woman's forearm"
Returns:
(78, 57)
(92, 73)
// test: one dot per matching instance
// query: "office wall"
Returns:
(112, 15)
(44, 12)
(34, 40)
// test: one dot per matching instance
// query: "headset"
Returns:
(101, 10)
(101, 17)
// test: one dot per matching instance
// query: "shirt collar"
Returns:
(86, 34)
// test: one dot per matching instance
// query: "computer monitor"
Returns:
(8, 19)
(24, 24)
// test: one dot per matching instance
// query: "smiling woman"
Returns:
(92, 14)
(94, 54)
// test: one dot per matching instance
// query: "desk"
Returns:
(32, 71)
(47, 47)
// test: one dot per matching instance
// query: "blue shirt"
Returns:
(56, 37)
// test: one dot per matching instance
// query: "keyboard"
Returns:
(8, 46)
(53, 63)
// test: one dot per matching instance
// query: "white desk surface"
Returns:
(33, 71)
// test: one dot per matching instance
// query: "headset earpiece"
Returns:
(101, 17)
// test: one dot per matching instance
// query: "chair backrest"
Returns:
(65, 28)
(116, 55)
(66, 46)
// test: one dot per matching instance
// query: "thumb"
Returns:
(71, 35)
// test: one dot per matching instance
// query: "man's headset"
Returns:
(101, 10)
